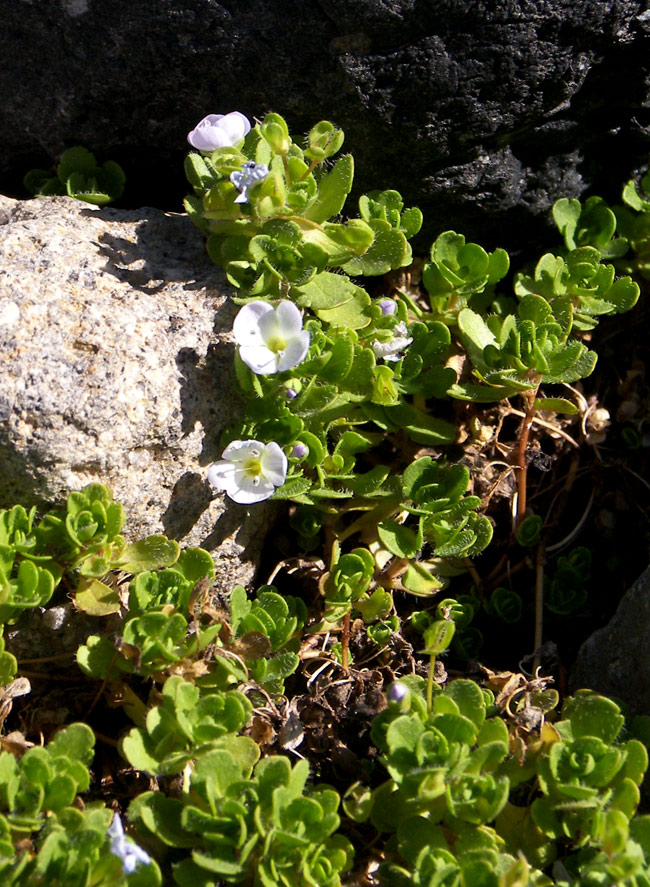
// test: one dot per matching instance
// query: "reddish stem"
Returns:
(522, 446)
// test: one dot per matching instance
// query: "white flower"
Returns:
(127, 850)
(390, 350)
(270, 339)
(249, 471)
(249, 174)
(219, 131)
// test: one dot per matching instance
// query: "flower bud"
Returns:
(398, 692)
(387, 306)
(299, 451)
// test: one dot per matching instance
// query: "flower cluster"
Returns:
(270, 340)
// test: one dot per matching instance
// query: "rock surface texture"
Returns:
(614, 660)
(465, 106)
(116, 368)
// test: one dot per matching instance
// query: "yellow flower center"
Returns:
(276, 344)
(252, 467)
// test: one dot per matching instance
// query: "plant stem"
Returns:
(522, 445)
(345, 643)
(432, 667)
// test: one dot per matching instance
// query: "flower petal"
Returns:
(236, 126)
(237, 450)
(274, 464)
(223, 476)
(246, 327)
(260, 359)
(219, 131)
(295, 352)
(289, 319)
(249, 492)
(269, 326)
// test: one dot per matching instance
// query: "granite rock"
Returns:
(467, 107)
(117, 368)
(615, 660)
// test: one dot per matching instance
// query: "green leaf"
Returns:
(340, 361)
(333, 189)
(194, 564)
(96, 598)
(530, 530)
(593, 715)
(419, 581)
(476, 336)
(399, 540)
(351, 315)
(325, 291)
(76, 160)
(151, 553)
(507, 605)
(556, 405)
(438, 636)
(469, 699)
(98, 655)
(389, 250)
(294, 487)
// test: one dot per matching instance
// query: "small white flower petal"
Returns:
(237, 450)
(274, 464)
(223, 476)
(219, 131)
(246, 327)
(249, 492)
(260, 359)
(289, 319)
(390, 351)
(295, 352)
(236, 126)
(268, 325)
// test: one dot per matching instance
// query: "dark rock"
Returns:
(466, 107)
(615, 660)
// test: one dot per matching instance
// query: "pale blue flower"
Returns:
(127, 850)
(249, 175)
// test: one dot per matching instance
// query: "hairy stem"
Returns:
(522, 446)
(432, 668)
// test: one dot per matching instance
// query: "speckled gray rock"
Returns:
(615, 660)
(117, 368)
(467, 107)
